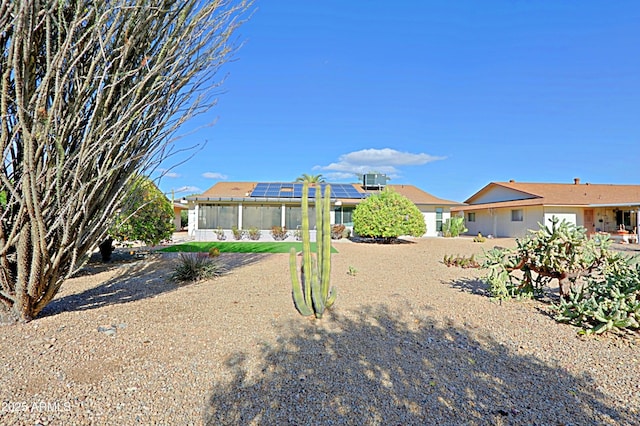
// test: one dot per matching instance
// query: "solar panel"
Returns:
(294, 190)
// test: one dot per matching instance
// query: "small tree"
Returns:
(147, 214)
(388, 215)
(310, 178)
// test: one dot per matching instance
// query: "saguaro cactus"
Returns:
(311, 291)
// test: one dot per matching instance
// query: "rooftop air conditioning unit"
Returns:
(374, 181)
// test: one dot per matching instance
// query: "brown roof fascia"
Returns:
(502, 204)
(567, 194)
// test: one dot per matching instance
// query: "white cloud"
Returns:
(338, 176)
(186, 190)
(384, 160)
(214, 175)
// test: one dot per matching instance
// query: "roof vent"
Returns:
(576, 181)
(512, 181)
(374, 181)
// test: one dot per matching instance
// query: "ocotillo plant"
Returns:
(311, 291)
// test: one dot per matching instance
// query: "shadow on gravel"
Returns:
(137, 279)
(469, 285)
(479, 287)
(379, 370)
(375, 240)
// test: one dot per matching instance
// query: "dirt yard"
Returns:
(409, 341)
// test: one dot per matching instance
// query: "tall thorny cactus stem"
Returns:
(311, 291)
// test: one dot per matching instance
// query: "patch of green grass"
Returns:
(238, 247)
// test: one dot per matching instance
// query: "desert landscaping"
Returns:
(409, 341)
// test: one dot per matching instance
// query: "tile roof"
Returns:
(243, 190)
(229, 189)
(559, 194)
(418, 196)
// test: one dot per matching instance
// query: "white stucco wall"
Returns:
(571, 215)
(429, 214)
(430, 221)
(497, 222)
(483, 224)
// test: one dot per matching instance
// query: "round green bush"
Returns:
(387, 216)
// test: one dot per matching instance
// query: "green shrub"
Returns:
(387, 216)
(254, 233)
(146, 214)
(279, 233)
(238, 234)
(220, 234)
(214, 252)
(196, 267)
(337, 231)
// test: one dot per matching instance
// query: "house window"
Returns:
(471, 217)
(293, 218)
(261, 216)
(212, 216)
(623, 218)
(517, 215)
(439, 219)
(344, 215)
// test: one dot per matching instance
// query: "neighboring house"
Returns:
(178, 208)
(510, 209)
(264, 205)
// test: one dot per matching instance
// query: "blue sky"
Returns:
(444, 95)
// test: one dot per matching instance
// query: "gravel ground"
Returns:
(409, 342)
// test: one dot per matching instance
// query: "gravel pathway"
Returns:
(409, 342)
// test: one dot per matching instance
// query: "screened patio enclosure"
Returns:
(252, 215)
(273, 204)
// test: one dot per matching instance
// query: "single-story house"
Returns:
(263, 205)
(510, 209)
